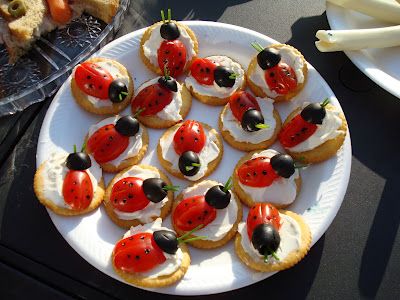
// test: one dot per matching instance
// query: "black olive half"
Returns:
(169, 31)
(265, 239)
(283, 165)
(166, 240)
(153, 188)
(268, 58)
(217, 197)
(127, 126)
(78, 161)
(223, 76)
(117, 91)
(186, 161)
(169, 83)
(313, 113)
(250, 119)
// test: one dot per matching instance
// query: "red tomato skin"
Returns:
(202, 69)
(77, 190)
(295, 132)
(189, 137)
(262, 213)
(281, 79)
(240, 102)
(153, 99)
(172, 54)
(93, 80)
(257, 172)
(127, 195)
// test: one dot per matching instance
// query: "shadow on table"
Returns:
(207, 10)
(372, 115)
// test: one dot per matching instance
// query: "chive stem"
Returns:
(74, 148)
(262, 126)
(139, 111)
(228, 184)
(189, 232)
(200, 237)
(325, 102)
(233, 76)
(174, 188)
(257, 46)
(83, 146)
(169, 15)
(162, 16)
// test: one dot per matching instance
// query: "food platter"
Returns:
(40, 72)
(380, 65)
(94, 235)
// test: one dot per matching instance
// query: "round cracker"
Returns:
(324, 151)
(82, 99)
(290, 260)
(39, 185)
(128, 223)
(209, 244)
(247, 198)
(245, 146)
(146, 36)
(158, 123)
(211, 165)
(159, 281)
(257, 90)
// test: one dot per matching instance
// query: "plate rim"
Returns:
(347, 154)
(384, 80)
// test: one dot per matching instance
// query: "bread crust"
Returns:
(247, 198)
(257, 90)
(290, 260)
(324, 151)
(146, 36)
(245, 146)
(210, 167)
(39, 185)
(209, 244)
(82, 99)
(134, 222)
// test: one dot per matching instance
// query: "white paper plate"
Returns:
(381, 65)
(93, 236)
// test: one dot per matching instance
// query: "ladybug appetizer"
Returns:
(117, 142)
(190, 150)
(212, 80)
(213, 207)
(168, 44)
(267, 176)
(248, 123)
(151, 255)
(162, 101)
(69, 184)
(314, 132)
(138, 195)
(102, 86)
(272, 240)
(278, 72)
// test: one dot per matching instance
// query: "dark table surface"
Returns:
(358, 256)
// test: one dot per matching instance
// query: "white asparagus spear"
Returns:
(356, 39)
(385, 10)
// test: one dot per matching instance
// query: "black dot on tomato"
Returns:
(248, 175)
(130, 184)
(129, 256)
(179, 53)
(166, 52)
(189, 222)
(205, 212)
(199, 218)
(72, 190)
(142, 237)
(130, 238)
(186, 204)
(264, 172)
(193, 200)
(124, 201)
(177, 68)
(89, 77)
(110, 138)
(137, 257)
(76, 197)
(115, 200)
(181, 138)
(254, 217)
(272, 74)
(147, 251)
(88, 197)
